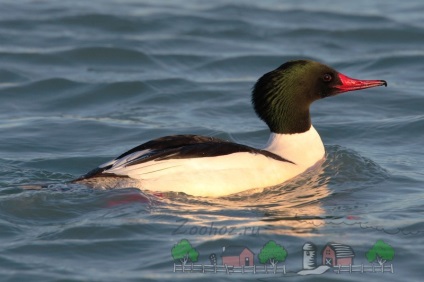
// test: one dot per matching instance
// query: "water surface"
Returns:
(81, 82)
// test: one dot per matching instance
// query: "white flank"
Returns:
(228, 174)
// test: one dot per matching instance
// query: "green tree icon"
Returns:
(272, 253)
(183, 251)
(380, 252)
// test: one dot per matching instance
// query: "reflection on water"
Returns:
(300, 206)
(291, 208)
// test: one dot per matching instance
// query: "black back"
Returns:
(181, 147)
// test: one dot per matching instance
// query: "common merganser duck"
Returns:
(208, 166)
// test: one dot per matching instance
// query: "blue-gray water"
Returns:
(83, 81)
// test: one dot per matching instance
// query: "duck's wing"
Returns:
(172, 147)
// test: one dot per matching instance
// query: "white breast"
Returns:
(305, 149)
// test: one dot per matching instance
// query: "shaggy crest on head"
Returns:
(281, 98)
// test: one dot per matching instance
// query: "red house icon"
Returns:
(237, 256)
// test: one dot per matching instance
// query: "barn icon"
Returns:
(337, 254)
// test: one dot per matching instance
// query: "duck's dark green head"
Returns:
(282, 97)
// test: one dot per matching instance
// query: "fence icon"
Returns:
(363, 268)
(205, 268)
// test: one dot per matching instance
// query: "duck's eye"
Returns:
(327, 77)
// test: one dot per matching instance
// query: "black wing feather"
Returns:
(192, 146)
(182, 147)
(174, 141)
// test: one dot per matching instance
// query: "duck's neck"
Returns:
(304, 149)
